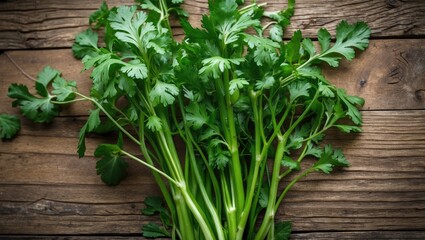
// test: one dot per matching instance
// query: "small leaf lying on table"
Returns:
(9, 126)
(111, 167)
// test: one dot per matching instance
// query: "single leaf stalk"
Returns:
(221, 118)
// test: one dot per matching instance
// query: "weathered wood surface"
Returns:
(53, 24)
(387, 235)
(390, 75)
(46, 190)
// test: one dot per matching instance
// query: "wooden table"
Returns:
(46, 191)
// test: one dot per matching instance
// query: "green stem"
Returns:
(197, 213)
(270, 211)
(282, 195)
(229, 206)
(167, 143)
(250, 6)
(253, 176)
(213, 178)
(234, 149)
(70, 101)
(215, 217)
(153, 168)
(164, 190)
(110, 117)
(183, 215)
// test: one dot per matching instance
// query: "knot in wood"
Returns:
(392, 3)
(420, 94)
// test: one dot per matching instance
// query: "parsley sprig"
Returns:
(220, 118)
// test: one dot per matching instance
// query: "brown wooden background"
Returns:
(46, 191)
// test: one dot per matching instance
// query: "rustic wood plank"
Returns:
(388, 235)
(396, 81)
(70, 237)
(388, 75)
(52, 24)
(48, 190)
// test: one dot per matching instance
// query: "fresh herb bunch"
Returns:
(248, 106)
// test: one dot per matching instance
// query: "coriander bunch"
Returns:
(247, 106)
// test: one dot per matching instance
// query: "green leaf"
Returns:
(43, 80)
(218, 155)
(147, 4)
(309, 47)
(311, 72)
(263, 50)
(208, 133)
(325, 90)
(135, 69)
(295, 142)
(348, 37)
(351, 102)
(153, 205)
(85, 44)
(214, 66)
(263, 198)
(177, 1)
(222, 10)
(153, 230)
(329, 159)
(163, 93)
(92, 61)
(290, 163)
(266, 83)
(276, 33)
(121, 21)
(132, 27)
(154, 123)
(111, 167)
(94, 120)
(237, 83)
(283, 230)
(193, 34)
(332, 61)
(196, 115)
(292, 53)
(256, 41)
(283, 17)
(299, 89)
(102, 73)
(324, 39)
(9, 126)
(37, 109)
(127, 85)
(313, 151)
(100, 16)
(348, 128)
(230, 30)
(81, 147)
(64, 90)
(92, 123)
(221, 160)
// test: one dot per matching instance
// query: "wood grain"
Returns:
(48, 190)
(394, 82)
(53, 24)
(387, 235)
